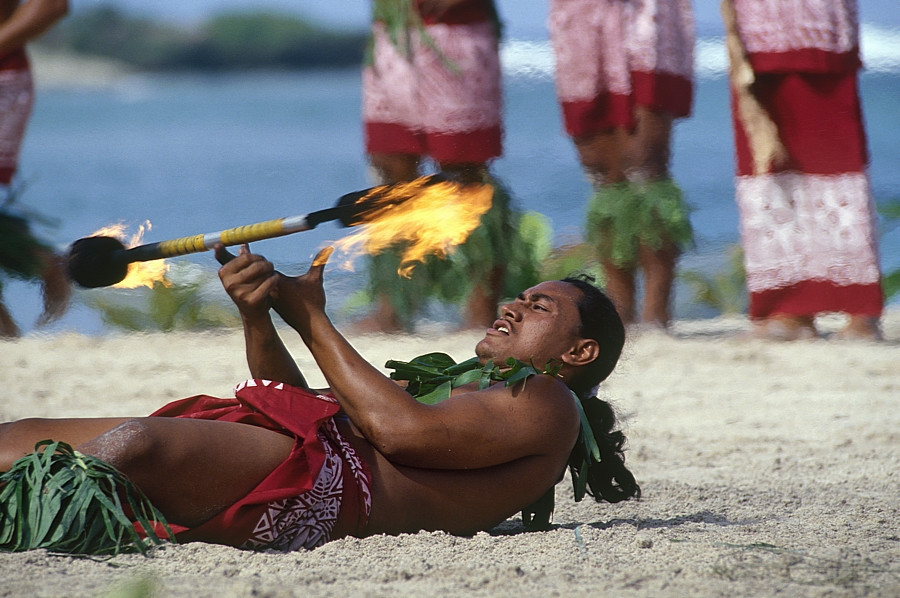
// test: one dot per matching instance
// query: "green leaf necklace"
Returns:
(432, 377)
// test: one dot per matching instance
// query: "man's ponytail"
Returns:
(609, 479)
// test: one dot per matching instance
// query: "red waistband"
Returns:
(15, 60)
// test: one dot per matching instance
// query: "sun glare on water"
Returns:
(433, 220)
(139, 273)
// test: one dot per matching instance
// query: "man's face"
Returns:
(541, 324)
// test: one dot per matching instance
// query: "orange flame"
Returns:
(433, 220)
(139, 273)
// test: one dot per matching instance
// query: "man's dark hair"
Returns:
(599, 321)
(609, 479)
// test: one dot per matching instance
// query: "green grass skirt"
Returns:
(623, 217)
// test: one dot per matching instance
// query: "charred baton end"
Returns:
(95, 262)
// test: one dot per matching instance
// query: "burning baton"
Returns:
(429, 215)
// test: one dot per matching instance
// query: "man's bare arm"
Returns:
(249, 279)
(473, 430)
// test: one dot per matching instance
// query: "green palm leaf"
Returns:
(61, 500)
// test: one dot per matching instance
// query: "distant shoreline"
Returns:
(63, 70)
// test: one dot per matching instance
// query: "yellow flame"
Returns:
(432, 221)
(139, 273)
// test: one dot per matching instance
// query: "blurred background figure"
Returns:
(22, 255)
(432, 92)
(624, 73)
(806, 208)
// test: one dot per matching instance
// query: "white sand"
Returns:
(767, 469)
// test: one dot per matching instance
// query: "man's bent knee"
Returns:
(128, 444)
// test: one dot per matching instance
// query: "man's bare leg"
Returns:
(18, 438)
(190, 469)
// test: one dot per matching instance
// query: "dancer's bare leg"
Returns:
(647, 151)
(620, 286)
(602, 156)
(56, 287)
(8, 327)
(481, 305)
(659, 276)
(647, 160)
(388, 169)
(394, 168)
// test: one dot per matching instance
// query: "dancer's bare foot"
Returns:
(785, 328)
(860, 328)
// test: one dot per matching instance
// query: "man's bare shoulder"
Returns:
(540, 397)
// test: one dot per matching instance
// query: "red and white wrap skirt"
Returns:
(807, 226)
(613, 55)
(16, 100)
(447, 105)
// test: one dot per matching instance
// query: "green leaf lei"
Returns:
(431, 378)
(64, 501)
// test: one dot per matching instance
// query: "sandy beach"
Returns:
(767, 469)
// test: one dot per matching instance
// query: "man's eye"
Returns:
(540, 307)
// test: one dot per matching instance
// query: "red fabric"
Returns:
(817, 296)
(14, 60)
(470, 11)
(806, 60)
(277, 407)
(12, 123)
(819, 120)
(605, 112)
(656, 91)
(471, 146)
(661, 91)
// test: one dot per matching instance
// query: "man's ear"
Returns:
(583, 352)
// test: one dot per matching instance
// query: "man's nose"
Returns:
(510, 310)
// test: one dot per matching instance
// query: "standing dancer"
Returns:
(806, 208)
(432, 90)
(624, 72)
(21, 254)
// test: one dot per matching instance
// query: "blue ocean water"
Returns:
(200, 153)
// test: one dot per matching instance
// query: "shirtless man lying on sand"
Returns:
(363, 457)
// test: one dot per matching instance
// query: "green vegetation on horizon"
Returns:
(228, 41)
